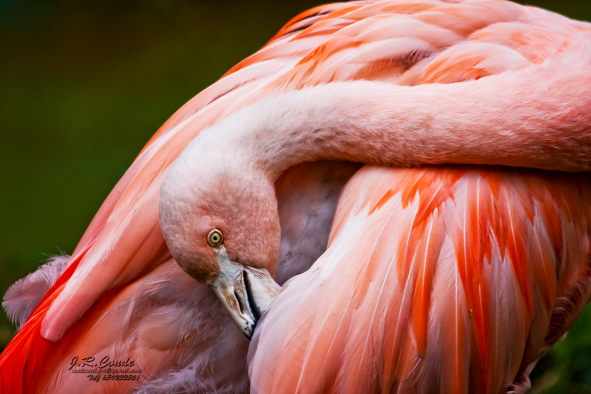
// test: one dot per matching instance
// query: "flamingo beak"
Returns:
(245, 292)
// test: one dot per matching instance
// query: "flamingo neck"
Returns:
(539, 117)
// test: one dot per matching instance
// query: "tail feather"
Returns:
(28, 351)
(24, 295)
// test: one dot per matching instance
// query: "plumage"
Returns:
(477, 300)
(122, 290)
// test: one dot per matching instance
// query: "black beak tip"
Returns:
(249, 331)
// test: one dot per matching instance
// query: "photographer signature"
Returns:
(105, 362)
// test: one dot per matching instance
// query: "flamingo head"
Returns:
(222, 227)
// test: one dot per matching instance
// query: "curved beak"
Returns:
(245, 292)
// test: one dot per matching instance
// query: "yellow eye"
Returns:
(215, 237)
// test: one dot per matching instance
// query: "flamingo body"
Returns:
(450, 280)
(122, 294)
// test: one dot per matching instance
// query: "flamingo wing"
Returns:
(436, 280)
(122, 260)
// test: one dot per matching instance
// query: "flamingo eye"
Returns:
(215, 237)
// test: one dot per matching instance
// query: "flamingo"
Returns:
(435, 279)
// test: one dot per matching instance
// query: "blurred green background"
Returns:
(84, 84)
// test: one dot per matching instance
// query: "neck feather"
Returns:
(538, 117)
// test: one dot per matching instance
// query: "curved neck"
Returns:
(538, 117)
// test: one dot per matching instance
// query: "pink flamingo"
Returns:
(437, 279)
